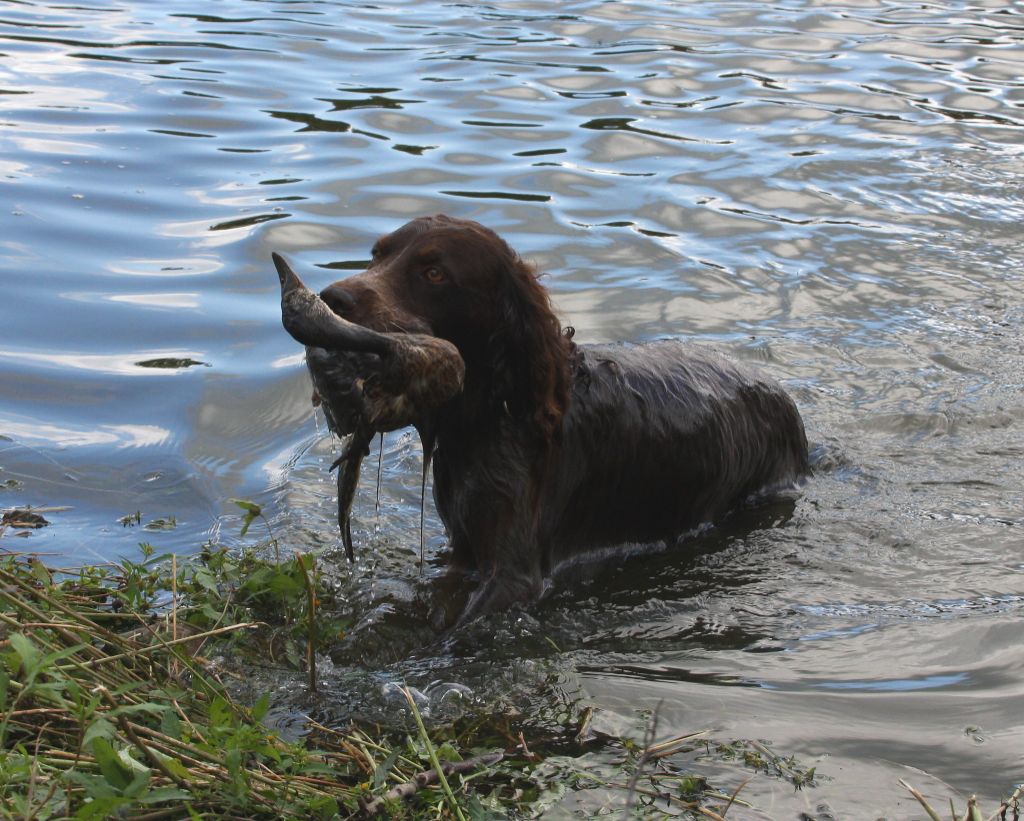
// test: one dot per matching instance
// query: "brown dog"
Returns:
(553, 451)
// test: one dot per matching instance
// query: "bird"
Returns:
(368, 381)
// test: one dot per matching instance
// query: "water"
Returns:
(832, 191)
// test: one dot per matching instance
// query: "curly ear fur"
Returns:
(530, 354)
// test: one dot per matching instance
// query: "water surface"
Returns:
(832, 191)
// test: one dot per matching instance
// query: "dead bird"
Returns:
(369, 382)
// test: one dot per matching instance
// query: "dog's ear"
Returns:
(529, 353)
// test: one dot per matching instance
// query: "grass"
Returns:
(972, 812)
(109, 708)
(105, 711)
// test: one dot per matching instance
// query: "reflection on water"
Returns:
(831, 191)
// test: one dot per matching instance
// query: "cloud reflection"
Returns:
(118, 436)
(159, 300)
(120, 363)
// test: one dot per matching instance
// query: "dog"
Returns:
(555, 451)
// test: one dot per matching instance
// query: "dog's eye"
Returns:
(435, 276)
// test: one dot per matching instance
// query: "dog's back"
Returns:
(661, 438)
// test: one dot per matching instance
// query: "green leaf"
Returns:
(233, 763)
(205, 579)
(478, 812)
(100, 728)
(446, 752)
(94, 786)
(252, 510)
(59, 655)
(124, 754)
(323, 807)
(260, 708)
(41, 574)
(317, 768)
(285, 585)
(170, 724)
(211, 612)
(116, 774)
(249, 507)
(139, 785)
(278, 583)
(177, 768)
(100, 808)
(221, 715)
(259, 579)
(26, 650)
(5, 683)
(380, 774)
(269, 751)
(147, 708)
(161, 794)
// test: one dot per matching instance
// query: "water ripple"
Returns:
(831, 191)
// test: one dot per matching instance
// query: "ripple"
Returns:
(191, 266)
(499, 195)
(123, 364)
(833, 193)
(247, 222)
(897, 685)
(36, 432)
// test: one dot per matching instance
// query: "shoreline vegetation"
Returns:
(110, 707)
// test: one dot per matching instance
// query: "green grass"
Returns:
(109, 708)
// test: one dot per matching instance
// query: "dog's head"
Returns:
(458, 280)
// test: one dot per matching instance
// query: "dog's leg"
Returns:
(500, 592)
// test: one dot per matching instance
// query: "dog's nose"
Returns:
(338, 299)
